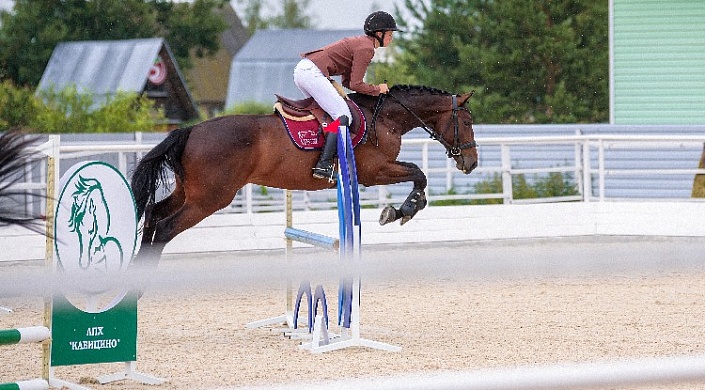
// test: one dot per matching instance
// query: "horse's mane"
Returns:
(15, 153)
(420, 89)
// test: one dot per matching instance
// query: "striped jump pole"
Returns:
(32, 334)
(33, 384)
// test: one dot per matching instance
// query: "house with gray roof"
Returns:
(208, 77)
(103, 68)
(265, 65)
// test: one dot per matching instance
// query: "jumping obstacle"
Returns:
(28, 335)
(290, 318)
(37, 334)
(72, 335)
(349, 249)
(350, 230)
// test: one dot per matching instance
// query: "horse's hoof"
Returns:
(405, 219)
(389, 214)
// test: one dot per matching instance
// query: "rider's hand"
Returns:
(383, 88)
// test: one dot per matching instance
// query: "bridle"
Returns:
(451, 150)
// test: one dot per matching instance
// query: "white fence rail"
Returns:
(585, 162)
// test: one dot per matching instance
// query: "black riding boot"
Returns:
(324, 167)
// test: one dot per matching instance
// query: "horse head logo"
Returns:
(90, 221)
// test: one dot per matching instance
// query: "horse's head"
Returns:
(445, 117)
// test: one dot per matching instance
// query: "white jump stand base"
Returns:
(62, 384)
(280, 320)
(321, 341)
(300, 333)
(131, 373)
(286, 323)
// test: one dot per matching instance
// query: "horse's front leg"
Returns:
(416, 200)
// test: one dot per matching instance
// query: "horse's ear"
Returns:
(463, 99)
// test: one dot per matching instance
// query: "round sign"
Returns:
(95, 235)
(157, 73)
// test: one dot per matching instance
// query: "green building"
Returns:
(657, 62)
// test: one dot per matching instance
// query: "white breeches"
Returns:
(313, 83)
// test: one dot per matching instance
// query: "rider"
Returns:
(349, 58)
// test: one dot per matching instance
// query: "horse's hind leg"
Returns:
(188, 215)
(161, 210)
(153, 214)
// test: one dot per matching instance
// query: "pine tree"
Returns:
(529, 61)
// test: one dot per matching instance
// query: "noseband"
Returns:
(451, 150)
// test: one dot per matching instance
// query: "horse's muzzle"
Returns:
(466, 165)
(471, 168)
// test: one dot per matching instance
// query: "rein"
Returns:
(451, 150)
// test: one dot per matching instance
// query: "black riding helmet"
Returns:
(380, 21)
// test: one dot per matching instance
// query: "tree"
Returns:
(253, 19)
(292, 15)
(67, 110)
(29, 34)
(190, 26)
(529, 61)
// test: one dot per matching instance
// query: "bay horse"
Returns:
(212, 160)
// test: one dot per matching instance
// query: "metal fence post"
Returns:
(507, 192)
(587, 182)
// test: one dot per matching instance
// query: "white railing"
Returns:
(584, 162)
(591, 182)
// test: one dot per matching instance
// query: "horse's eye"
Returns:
(467, 123)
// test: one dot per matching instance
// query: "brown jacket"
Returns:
(348, 58)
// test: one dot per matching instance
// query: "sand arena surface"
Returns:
(459, 306)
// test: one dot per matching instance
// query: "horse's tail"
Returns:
(150, 172)
(15, 153)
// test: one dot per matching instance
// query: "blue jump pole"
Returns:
(350, 226)
(348, 219)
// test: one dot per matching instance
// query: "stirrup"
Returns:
(325, 173)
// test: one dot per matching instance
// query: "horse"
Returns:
(15, 153)
(214, 159)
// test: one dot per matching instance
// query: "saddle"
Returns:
(308, 109)
(304, 120)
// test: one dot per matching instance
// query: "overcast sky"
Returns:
(330, 14)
